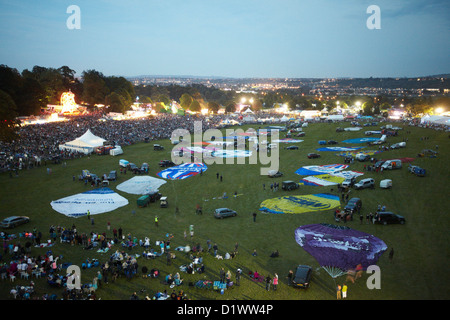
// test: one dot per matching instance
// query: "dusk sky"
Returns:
(246, 38)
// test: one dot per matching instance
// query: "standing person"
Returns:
(391, 254)
(275, 282)
(268, 281)
(222, 275)
(88, 215)
(215, 249)
(338, 292)
(217, 175)
(120, 232)
(361, 219)
(191, 231)
(254, 216)
(238, 276)
(344, 291)
(156, 220)
(290, 276)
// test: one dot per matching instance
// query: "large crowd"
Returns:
(38, 144)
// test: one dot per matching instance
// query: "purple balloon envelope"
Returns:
(339, 247)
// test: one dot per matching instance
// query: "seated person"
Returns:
(169, 279)
(275, 254)
(201, 269)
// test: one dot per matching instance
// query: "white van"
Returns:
(386, 184)
(392, 164)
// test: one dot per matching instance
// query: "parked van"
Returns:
(386, 184)
(123, 163)
(392, 164)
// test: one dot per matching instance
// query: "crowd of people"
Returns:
(38, 144)
(18, 260)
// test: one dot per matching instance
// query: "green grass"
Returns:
(421, 245)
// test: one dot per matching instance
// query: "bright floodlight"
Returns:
(68, 102)
(439, 110)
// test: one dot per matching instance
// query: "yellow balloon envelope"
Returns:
(300, 203)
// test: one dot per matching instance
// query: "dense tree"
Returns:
(186, 100)
(8, 115)
(116, 102)
(230, 107)
(27, 93)
(95, 89)
(195, 106)
(213, 106)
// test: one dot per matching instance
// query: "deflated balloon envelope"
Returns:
(340, 247)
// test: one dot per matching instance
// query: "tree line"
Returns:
(26, 93)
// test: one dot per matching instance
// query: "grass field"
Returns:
(421, 245)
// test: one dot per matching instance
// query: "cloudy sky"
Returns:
(246, 38)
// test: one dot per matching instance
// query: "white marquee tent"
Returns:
(86, 143)
(436, 119)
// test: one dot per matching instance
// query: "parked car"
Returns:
(388, 218)
(166, 163)
(332, 142)
(353, 205)
(133, 167)
(221, 213)
(292, 148)
(398, 145)
(274, 174)
(379, 163)
(14, 221)
(112, 175)
(313, 155)
(158, 147)
(144, 167)
(301, 134)
(349, 182)
(154, 196)
(362, 157)
(365, 183)
(302, 277)
(163, 202)
(418, 171)
(289, 185)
